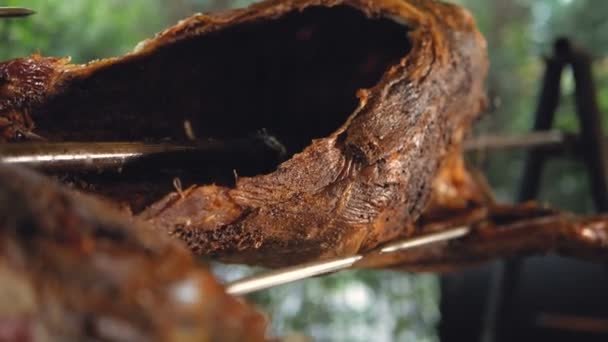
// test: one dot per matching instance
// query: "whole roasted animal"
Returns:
(74, 269)
(368, 97)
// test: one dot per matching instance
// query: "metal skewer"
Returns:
(290, 274)
(84, 156)
(14, 12)
(81, 157)
(102, 156)
(544, 139)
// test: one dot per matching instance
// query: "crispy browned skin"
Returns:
(23, 84)
(293, 67)
(72, 269)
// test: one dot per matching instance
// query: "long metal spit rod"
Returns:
(113, 156)
(78, 157)
(82, 156)
(544, 139)
(290, 274)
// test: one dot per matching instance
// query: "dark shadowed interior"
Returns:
(295, 76)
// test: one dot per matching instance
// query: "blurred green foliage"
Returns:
(82, 29)
(519, 34)
(364, 305)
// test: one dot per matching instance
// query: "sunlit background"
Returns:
(363, 305)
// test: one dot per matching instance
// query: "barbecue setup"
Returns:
(304, 136)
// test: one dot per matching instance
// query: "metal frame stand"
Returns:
(501, 321)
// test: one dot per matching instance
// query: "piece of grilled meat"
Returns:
(385, 89)
(74, 269)
(382, 88)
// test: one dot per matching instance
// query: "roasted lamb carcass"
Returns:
(383, 88)
(74, 269)
(386, 90)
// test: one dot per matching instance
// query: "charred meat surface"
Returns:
(367, 180)
(72, 269)
(384, 89)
